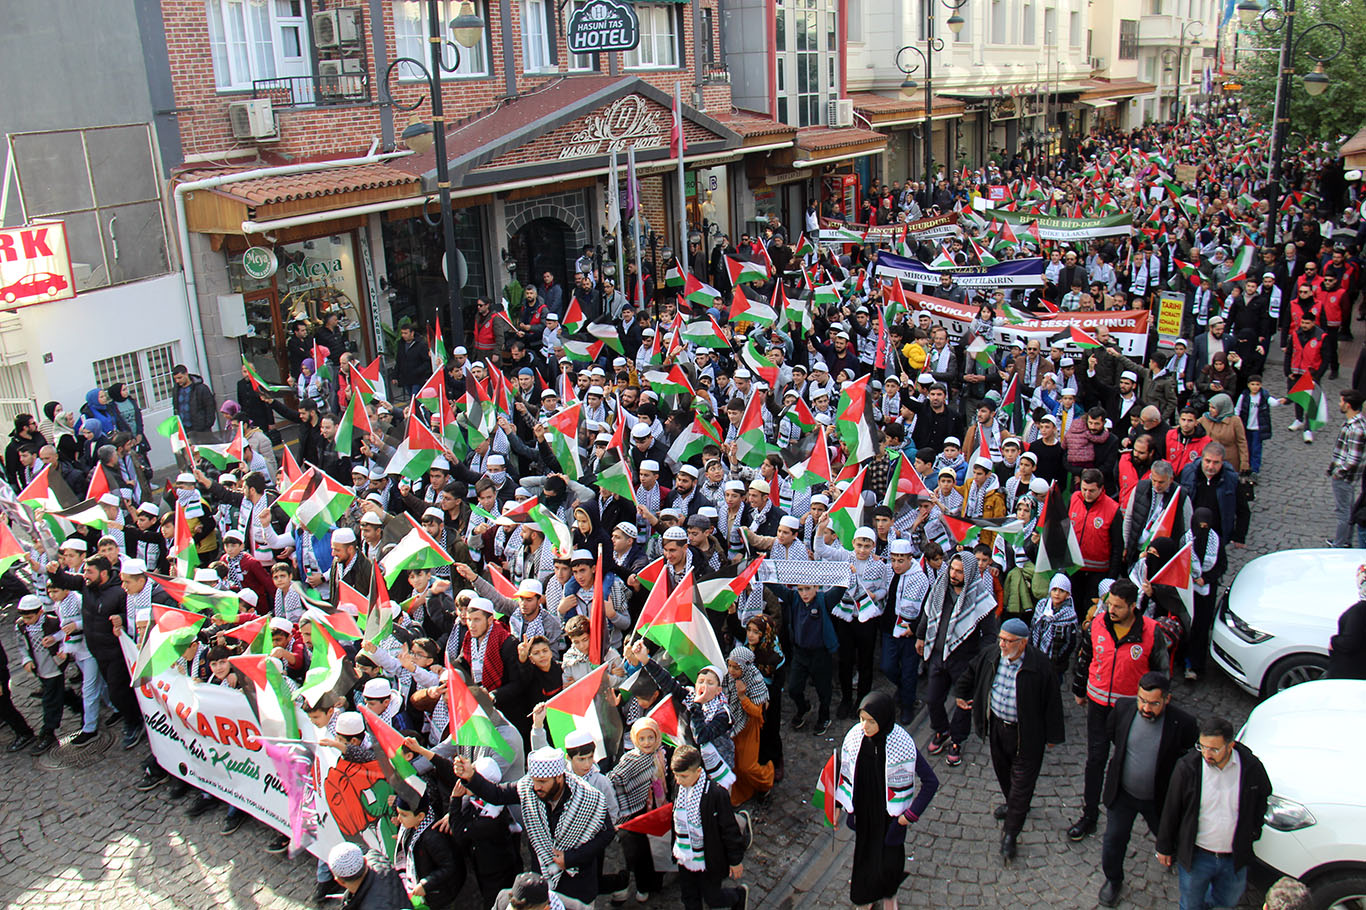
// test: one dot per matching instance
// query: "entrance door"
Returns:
(265, 345)
(542, 246)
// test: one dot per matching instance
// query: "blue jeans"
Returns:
(92, 688)
(1211, 882)
(1254, 451)
(1344, 497)
(901, 665)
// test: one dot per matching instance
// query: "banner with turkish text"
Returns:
(1129, 328)
(1014, 273)
(1056, 228)
(837, 232)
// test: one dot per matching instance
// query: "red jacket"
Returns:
(1306, 354)
(1181, 453)
(1116, 668)
(1128, 478)
(1330, 304)
(1095, 526)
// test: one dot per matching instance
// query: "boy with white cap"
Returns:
(40, 642)
(367, 877)
(856, 615)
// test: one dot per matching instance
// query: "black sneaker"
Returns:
(955, 756)
(278, 844)
(799, 721)
(84, 738)
(132, 737)
(821, 726)
(231, 822)
(45, 742)
(937, 743)
(148, 782)
(1083, 827)
(178, 789)
(20, 741)
(200, 806)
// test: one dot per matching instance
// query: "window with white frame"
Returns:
(410, 38)
(256, 39)
(999, 15)
(1050, 27)
(536, 36)
(854, 12)
(1074, 29)
(577, 62)
(658, 37)
(1027, 24)
(147, 373)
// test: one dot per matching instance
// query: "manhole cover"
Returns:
(65, 755)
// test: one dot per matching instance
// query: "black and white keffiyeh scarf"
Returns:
(898, 768)
(584, 813)
(289, 604)
(977, 496)
(405, 851)
(688, 848)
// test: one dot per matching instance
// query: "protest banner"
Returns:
(1056, 228)
(1014, 273)
(840, 232)
(1129, 328)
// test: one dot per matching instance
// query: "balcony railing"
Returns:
(313, 91)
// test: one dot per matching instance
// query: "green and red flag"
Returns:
(1190, 271)
(470, 723)
(11, 551)
(398, 770)
(742, 309)
(720, 591)
(682, 629)
(417, 550)
(751, 445)
(1178, 573)
(584, 706)
(824, 796)
(690, 443)
(742, 270)
(758, 364)
(582, 351)
(328, 673)
(650, 575)
(904, 481)
(816, 468)
(1309, 395)
(674, 382)
(800, 414)
(419, 449)
(846, 512)
(268, 694)
(190, 594)
(617, 478)
(573, 317)
(705, 333)
(169, 634)
(355, 420)
(608, 334)
(854, 421)
(555, 531)
(256, 634)
(562, 433)
(315, 501)
(259, 384)
(186, 551)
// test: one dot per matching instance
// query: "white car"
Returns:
(1272, 625)
(1311, 738)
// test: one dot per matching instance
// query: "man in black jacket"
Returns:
(194, 404)
(1150, 736)
(371, 883)
(412, 361)
(1215, 806)
(102, 616)
(1012, 692)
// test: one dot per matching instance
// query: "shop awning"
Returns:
(223, 210)
(568, 128)
(1104, 102)
(1097, 89)
(818, 145)
(884, 111)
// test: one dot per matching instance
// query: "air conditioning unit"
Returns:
(840, 112)
(337, 26)
(340, 78)
(1098, 63)
(253, 119)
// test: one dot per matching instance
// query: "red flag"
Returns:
(655, 823)
(291, 467)
(597, 618)
(99, 483)
(501, 583)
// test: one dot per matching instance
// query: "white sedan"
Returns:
(1311, 738)
(1272, 625)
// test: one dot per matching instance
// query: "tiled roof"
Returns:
(287, 187)
(822, 138)
(751, 125)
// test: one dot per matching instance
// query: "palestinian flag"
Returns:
(470, 724)
(555, 531)
(655, 823)
(673, 276)
(321, 365)
(846, 511)
(607, 334)
(436, 346)
(750, 443)
(584, 706)
(758, 364)
(803, 247)
(980, 350)
(562, 433)
(854, 421)
(943, 260)
(825, 295)
(705, 333)
(1012, 316)
(221, 456)
(432, 395)
(1190, 271)
(816, 469)
(1010, 403)
(665, 713)
(255, 634)
(328, 673)
(44, 501)
(983, 256)
(824, 797)
(674, 382)
(355, 420)
(259, 384)
(289, 466)
(1164, 526)
(180, 443)
(582, 351)
(692, 441)
(967, 531)
(1309, 396)
(268, 694)
(800, 414)
(720, 591)
(225, 605)
(11, 551)
(186, 552)
(88, 513)
(1079, 337)
(398, 771)
(845, 234)
(1242, 262)
(699, 292)
(742, 271)
(1059, 550)
(683, 631)
(417, 550)
(573, 317)
(1178, 574)
(618, 478)
(315, 502)
(742, 309)
(169, 634)
(414, 456)
(904, 481)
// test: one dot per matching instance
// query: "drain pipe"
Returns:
(183, 230)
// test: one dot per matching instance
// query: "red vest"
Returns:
(1115, 673)
(1092, 527)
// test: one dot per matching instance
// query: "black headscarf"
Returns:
(882, 709)
(1166, 548)
(1200, 535)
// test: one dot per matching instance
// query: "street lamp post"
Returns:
(908, 85)
(468, 30)
(1271, 21)
(1193, 30)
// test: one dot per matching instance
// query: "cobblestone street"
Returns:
(77, 831)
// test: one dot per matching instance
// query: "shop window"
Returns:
(252, 39)
(147, 374)
(659, 33)
(410, 36)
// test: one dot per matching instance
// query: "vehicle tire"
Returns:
(1292, 671)
(10, 297)
(1340, 891)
